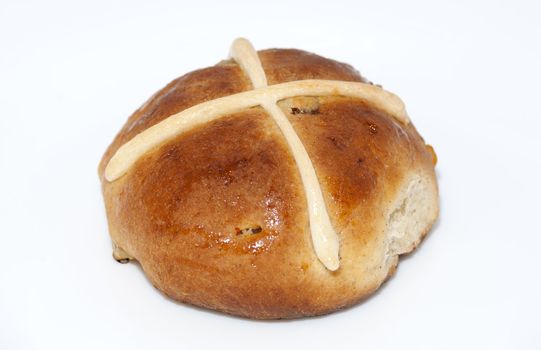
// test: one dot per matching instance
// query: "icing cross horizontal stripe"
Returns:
(208, 111)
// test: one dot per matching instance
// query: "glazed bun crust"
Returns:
(217, 216)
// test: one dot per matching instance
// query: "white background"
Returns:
(469, 72)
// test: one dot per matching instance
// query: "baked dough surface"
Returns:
(217, 215)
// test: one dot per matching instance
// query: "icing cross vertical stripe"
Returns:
(324, 238)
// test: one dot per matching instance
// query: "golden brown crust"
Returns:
(182, 209)
(283, 65)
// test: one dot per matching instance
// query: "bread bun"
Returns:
(218, 212)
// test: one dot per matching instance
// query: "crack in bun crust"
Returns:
(217, 217)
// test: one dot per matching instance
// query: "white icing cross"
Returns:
(324, 238)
